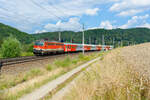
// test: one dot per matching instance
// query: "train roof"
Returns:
(81, 44)
(72, 43)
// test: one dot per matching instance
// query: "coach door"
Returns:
(66, 48)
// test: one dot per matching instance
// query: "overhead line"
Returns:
(22, 18)
(46, 9)
(52, 5)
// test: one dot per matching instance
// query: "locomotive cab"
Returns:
(38, 47)
(46, 47)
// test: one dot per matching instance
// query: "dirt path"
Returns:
(60, 94)
(44, 90)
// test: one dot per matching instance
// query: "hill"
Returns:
(6, 31)
(115, 36)
(126, 36)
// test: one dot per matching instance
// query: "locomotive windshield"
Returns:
(39, 43)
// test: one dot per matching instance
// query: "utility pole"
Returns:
(118, 43)
(71, 39)
(83, 38)
(121, 43)
(113, 41)
(128, 43)
(103, 40)
(59, 35)
(89, 40)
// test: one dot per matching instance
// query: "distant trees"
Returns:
(114, 36)
(11, 47)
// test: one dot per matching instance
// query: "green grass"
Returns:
(8, 83)
(49, 67)
(1, 56)
(30, 88)
(27, 54)
(67, 64)
(64, 63)
(22, 54)
(32, 73)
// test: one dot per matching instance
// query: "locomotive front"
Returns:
(38, 48)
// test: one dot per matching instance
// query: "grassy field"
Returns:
(27, 82)
(123, 74)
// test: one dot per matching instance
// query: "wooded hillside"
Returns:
(116, 36)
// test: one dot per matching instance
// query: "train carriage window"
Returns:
(39, 43)
(73, 47)
(51, 44)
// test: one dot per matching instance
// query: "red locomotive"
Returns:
(47, 47)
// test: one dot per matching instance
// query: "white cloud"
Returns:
(92, 11)
(129, 12)
(72, 25)
(135, 21)
(106, 25)
(127, 7)
(31, 13)
(38, 31)
(146, 25)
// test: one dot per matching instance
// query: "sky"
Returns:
(36, 16)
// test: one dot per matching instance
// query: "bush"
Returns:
(48, 67)
(27, 54)
(28, 47)
(11, 47)
(65, 63)
(32, 73)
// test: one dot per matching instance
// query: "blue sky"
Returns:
(35, 16)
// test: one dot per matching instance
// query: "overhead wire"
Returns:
(56, 8)
(21, 18)
(51, 13)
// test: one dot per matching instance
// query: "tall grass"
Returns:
(64, 63)
(119, 76)
(27, 54)
(28, 81)
(13, 81)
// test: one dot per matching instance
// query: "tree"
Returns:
(11, 47)
(28, 47)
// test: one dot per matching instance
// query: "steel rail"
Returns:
(18, 60)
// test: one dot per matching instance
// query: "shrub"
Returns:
(75, 61)
(65, 63)
(11, 47)
(32, 73)
(28, 47)
(81, 56)
(49, 67)
(27, 54)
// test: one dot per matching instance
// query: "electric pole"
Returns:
(83, 39)
(128, 43)
(89, 40)
(103, 40)
(113, 41)
(121, 43)
(59, 35)
(71, 39)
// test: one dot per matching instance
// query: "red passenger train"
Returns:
(52, 47)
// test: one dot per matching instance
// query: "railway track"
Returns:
(14, 66)
(18, 60)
